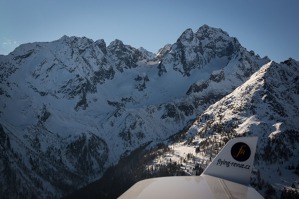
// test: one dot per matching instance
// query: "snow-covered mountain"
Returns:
(71, 108)
(266, 106)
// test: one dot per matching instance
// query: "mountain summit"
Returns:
(71, 108)
(195, 50)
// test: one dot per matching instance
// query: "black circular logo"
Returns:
(240, 151)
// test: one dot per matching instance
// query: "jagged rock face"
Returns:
(74, 100)
(265, 106)
(195, 50)
(124, 56)
(270, 96)
(162, 52)
(39, 162)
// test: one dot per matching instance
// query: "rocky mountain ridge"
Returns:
(71, 108)
(265, 106)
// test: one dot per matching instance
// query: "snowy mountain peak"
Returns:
(75, 101)
(102, 45)
(265, 106)
(195, 50)
(77, 42)
(207, 31)
(116, 43)
(163, 51)
(290, 61)
(187, 35)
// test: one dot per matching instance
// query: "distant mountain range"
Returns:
(72, 108)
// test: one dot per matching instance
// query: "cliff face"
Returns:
(71, 108)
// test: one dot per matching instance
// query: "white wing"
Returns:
(227, 176)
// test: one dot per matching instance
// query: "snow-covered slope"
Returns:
(267, 106)
(71, 108)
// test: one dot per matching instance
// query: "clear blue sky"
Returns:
(269, 27)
